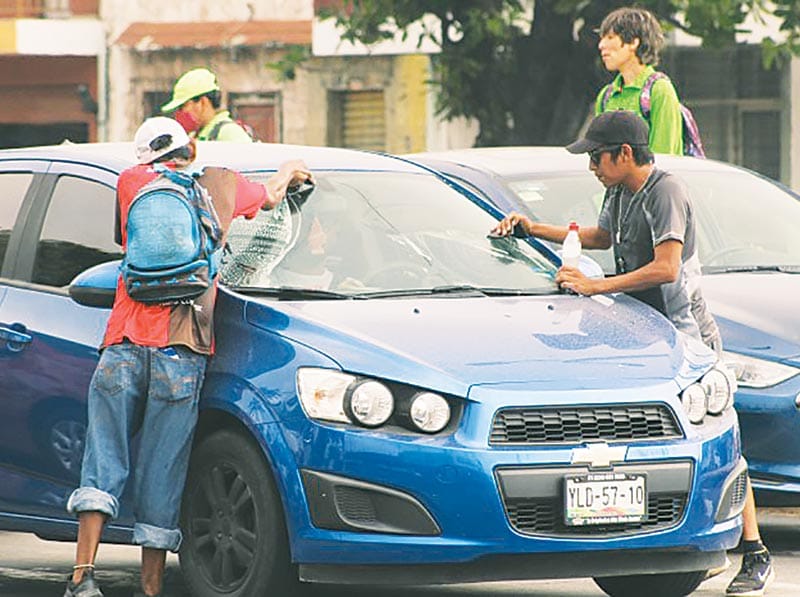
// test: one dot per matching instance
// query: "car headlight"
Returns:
(369, 403)
(331, 395)
(695, 402)
(429, 412)
(752, 372)
(718, 391)
(322, 391)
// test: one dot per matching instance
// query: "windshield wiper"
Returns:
(732, 269)
(292, 293)
(458, 290)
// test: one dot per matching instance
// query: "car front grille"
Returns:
(546, 517)
(533, 498)
(526, 426)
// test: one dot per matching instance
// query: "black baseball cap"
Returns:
(612, 128)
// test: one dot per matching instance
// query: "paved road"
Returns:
(30, 567)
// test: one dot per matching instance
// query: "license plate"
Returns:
(604, 498)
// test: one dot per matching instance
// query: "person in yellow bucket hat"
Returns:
(196, 105)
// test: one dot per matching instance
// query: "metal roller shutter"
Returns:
(364, 120)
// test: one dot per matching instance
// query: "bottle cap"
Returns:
(573, 226)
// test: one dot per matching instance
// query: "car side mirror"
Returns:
(96, 286)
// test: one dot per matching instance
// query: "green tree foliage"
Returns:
(532, 80)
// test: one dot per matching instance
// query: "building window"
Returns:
(259, 110)
(153, 100)
(357, 119)
(736, 101)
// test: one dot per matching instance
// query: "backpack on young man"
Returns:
(173, 240)
(692, 143)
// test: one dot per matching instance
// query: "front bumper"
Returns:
(519, 567)
(770, 417)
(454, 485)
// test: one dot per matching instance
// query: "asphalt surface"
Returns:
(30, 567)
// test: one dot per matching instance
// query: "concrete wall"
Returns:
(793, 149)
(119, 13)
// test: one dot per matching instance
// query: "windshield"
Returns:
(378, 233)
(743, 221)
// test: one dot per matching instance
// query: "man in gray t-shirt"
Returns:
(647, 217)
(639, 221)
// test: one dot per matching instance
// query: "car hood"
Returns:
(449, 344)
(756, 312)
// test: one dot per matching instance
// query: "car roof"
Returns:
(514, 161)
(240, 156)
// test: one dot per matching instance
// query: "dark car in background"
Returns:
(749, 246)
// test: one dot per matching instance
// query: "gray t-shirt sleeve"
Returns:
(666, 208)
(604, 219)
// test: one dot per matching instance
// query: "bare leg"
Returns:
(749, 520)
(90, 527)
(153, 562)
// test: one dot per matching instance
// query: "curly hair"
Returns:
(631, 23)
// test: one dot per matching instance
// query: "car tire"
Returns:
(675, 584)
(235, 542)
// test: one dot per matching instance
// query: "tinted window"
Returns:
(78, 231)
(13, 186)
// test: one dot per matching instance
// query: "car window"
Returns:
(559, 200)
(78, 231)
(371, 232)
(744, 220)
(13, 186)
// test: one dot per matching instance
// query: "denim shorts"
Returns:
(152, 392)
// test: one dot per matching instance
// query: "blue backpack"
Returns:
(692, 144)
(173, 240)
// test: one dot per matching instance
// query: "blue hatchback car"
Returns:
(750, 251)
(396, 398)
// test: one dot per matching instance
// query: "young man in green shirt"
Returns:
(196, 102)
(630, 43)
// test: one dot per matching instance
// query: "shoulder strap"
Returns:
(609, 91)
(214, 133)
(647, 90)
(204, 204)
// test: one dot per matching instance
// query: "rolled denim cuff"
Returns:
(147, 535)
(90, 499)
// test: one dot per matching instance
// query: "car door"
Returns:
(68, 226)
(19, 181)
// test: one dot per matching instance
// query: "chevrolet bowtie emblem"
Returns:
(599, 455)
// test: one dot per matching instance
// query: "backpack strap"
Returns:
(213, 134)
(647, 90)
(205, 207)
(199, 198)
(609, 91)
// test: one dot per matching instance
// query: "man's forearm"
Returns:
(591, 237)
(648, 276)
